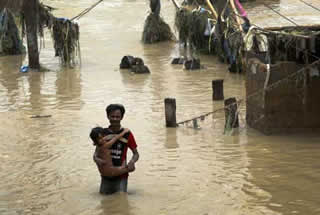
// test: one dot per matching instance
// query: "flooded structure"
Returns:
(35, 17)
(214, 28)
(29, 9)
(282, 79)
(10, 41)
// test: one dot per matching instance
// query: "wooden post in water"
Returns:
(231, 113)
(170, 111)
(217, 89)
(30, 12)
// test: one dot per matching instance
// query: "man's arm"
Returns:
(134, 159)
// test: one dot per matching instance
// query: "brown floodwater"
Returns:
(46, 164)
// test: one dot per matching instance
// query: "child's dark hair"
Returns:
(113, 107)
(94, 134)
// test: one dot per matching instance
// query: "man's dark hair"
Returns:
(112, 107)
(94, 134)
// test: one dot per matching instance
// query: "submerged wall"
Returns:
(286, 100)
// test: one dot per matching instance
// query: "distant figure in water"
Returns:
(103, 145)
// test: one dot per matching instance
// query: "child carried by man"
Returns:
(103, 145)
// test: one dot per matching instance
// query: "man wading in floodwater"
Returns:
(109, 185)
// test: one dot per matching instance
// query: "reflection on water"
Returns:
(9, 82)
(46, 163)
(37, 91)
(68, 89)
(171, 139)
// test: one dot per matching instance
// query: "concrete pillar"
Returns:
(217, 90)
(170, 112)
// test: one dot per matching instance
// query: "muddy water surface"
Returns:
(46, 164)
